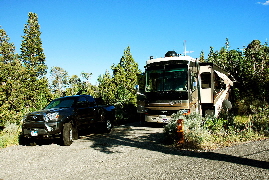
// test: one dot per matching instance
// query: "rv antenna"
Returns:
(185, 48)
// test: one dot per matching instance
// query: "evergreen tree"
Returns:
(80, 85)
(74, 85)
(87, 86)
(59, 81)
(11, 78)
(107, 88)
(220, 57)
(125, 78)
(33, 59)
(250, 68)
(119, 89)
(202, 56)
(211, 56)
(7, 49)
(256, 62)
(32, 54)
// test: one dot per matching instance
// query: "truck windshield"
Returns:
(167, 79)
(61, 103)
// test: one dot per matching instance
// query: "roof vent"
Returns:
(171, 54)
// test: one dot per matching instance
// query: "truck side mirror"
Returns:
(137, 88)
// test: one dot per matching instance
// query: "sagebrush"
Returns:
(210, 132)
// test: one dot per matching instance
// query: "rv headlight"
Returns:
(51, 116)
(172, 103)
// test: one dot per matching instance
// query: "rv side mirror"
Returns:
(227, 105)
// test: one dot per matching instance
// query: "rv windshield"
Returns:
(167, 79)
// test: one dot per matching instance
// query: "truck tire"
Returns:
(28, 142)
(67, 135)
(75, 133)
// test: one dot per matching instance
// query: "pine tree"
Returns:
(59, 81)
(125, 78)
(212, 55)
(32, 53)
(80, 85)
(256, 62)
(107, 88)
(202, 56)
(11, 82)
(119, 89)
(7, 49)
(33, 59)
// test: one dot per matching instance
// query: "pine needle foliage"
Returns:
(33, 59)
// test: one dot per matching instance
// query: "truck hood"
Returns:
(54, 114)
(53, 110)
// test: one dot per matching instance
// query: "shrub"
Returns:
(210, 132)
(195, 135)
(10, 135)
(260, 117)
(242, 122)
(214, 124)
(170, 132)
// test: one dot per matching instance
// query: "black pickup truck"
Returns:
(64, 117)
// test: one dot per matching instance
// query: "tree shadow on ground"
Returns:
(126, 136)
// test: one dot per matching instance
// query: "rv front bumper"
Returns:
(157, 118)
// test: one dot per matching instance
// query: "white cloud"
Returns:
(265, 3)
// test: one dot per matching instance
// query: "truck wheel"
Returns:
(67, 136)
(75, 133)
(28, 142)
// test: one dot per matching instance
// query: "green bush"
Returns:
(254, 115)
(10, 135)
(260, 117)
(214, 124)
(210, 132)
(242, 122)
(170, 132)
(195, 135)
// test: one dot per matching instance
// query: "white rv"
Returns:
(181, 83)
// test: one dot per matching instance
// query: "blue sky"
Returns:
(91, 35)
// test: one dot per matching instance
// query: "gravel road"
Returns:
(132, 151)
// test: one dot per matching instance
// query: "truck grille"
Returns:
(35, 118)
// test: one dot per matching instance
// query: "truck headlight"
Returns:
(23, 118)
(51, 116)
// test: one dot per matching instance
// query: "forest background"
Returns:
(26, 83)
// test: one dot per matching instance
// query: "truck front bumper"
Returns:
(41, 129)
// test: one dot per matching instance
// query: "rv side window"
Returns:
(206, 80)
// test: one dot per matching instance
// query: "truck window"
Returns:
(82, 99)
(61, 103)
(82, 102)
(92, 101)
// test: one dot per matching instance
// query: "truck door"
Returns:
(85, 112)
